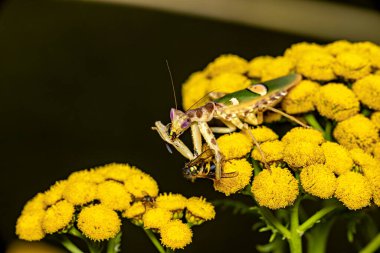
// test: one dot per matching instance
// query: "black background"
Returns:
(82, 83)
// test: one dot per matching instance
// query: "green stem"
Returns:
(268, 215)
(69, 245)
(328, 129)
(113, 245)
(312, 121)
(295, 240)
(317, 237)
(154, 240)
(372, 246)
(309, 223)
(92, 246)
(256, 167)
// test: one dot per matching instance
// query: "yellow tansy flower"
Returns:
(176, 235)
(199, 210)
(98, 222)
(140, 185)
(372, 173)
(271, 117)
(356, 132)
(299, 99)
(279, 66)
(351, 65)
(318, 180)
(376, 151)
(171, 202)
(195, 88)
(316, 66)
(337, 157)
(227, 63)
(336, 101)
(368, 91)
(55, 193)
(298, 50)
(338, 47)
(228, 83)
(135, 210)
(262, 134)
(92, 176)
(234, 145)
(233, 184)
(275, 188)
(28, 226)
(353, 190)
(114, 195)
(79, 193)
(58, 216)
(301, 154)
(301, 134)
(363, 159)
(369, 50)
(256, 65)
(156, 217)
(273, 151)
(375, 118)
(117, 171)
(36, 204)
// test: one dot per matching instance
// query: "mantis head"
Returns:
(180, 122)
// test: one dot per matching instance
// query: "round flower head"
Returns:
(351, 65)
(316, 66)
(280, 66)
(36, 204)
(369, 50)
(367, 90)
(140, 185)
(91, 176)
(338, 159)
(298, 50)
(338, 47)
(275, 188)
(361, 158)
(58, 216)
(336, 101)
(227, 64)
(375, 118)
(114, 195)
(256, 65)
(171, 202)
(356, 132)
(318, 180)
(299, 99)
(79, 193)
(156, 217)
(228, 83)
(176, 235)
(273, 151)
(199, 210)
(271, 117)
(55, 193)
(98, 222)
(231, 185)
(234, 145)
(301, 134)
(301, 154)
(28, 226)
(353, 190)
(376, 151)
(135, 210)
(117, 171)
(195, 88)
(372, 173)
(262, 134)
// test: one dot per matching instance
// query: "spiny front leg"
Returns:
(197, 139)
(177, 143)
(211, 142)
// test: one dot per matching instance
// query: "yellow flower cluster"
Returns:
(95, 200)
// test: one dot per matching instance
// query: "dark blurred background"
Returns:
(81, 83)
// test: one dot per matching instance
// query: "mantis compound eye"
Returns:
(186, 124)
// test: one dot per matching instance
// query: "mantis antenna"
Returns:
(171, 79)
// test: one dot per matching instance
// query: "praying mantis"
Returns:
(236, 110)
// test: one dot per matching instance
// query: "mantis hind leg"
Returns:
(290, 117)
(224, 130)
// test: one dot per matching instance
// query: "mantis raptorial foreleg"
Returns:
(197, 139)
(211, 142)
(177, 143)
